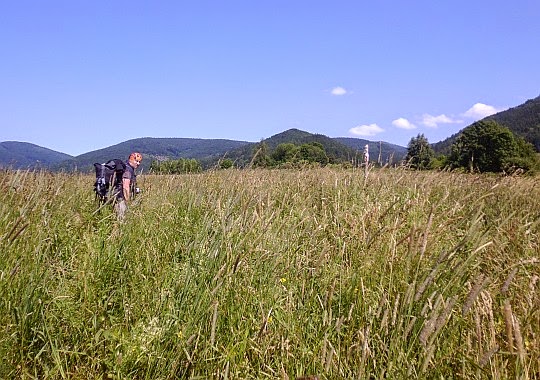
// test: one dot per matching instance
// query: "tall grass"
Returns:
(272, 274)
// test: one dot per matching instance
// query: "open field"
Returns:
(272, 274)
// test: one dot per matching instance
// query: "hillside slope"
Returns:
(523, 120)
(23, 155)
(207, 151)
(155, 149)
(243, 155)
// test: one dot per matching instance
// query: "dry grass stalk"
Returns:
(384, 320)
(487, 309)
(480, 282)
(443, 317)
(478, 331)
(518, 339)
(425, 234)
(408, 328)
(349, 317)
(214, 322)
(339, 323)
(425, 284)
(17, 222)
(408, 299)
(429, 355)
(509, 279)
(509, 323)
(532, 291)
(284, 375)
(323, 351)
(226, 371)
(365, 352)
(330, 295)
(429, 304)
(429, 325)
(382, 303)
(411, 240)
(394, 313)
(329, 358)
(488, 355)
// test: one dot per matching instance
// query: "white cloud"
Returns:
(338, 91)
(403, 123)
(434, 121)
(480, 111)
(366, 130)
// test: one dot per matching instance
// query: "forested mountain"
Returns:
(17, 155)
(155, 149)
(340, 149)
(207, 151)
(336, 151)
(523, 120)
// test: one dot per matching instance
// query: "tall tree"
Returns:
(419, 153)
(285, 152)
(485, 146)
(313, 152)
(261, 157)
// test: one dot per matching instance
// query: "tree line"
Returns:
(484, 146)
(179, 166)
(289, 155)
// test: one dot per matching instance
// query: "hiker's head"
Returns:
(135, 158)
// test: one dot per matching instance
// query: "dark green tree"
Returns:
(285, 152)
(226, 163)
(313, 152)
(261, 157)
(484, 146)
(180, 166)
(419, 153)
(526, 159)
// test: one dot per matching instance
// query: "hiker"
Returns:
(129, 184)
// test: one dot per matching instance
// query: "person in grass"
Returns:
(129, 184)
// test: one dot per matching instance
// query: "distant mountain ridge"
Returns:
(207, 151)
(523, 120)
(19, 155)
(338, 149)
(153, 148)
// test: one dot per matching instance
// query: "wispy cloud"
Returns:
(338, 91)
(366, 130)
(434, 121)
(477, 111)
(480, 111)
(403, 123)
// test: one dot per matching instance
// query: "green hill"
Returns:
(23, 155)
(523, 120)
(336, 150)
(155, 149)
(206, 151)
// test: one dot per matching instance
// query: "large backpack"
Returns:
(109, 179)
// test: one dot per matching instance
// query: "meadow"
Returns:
(272, 274)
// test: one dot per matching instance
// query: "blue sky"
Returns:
(76, 76)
